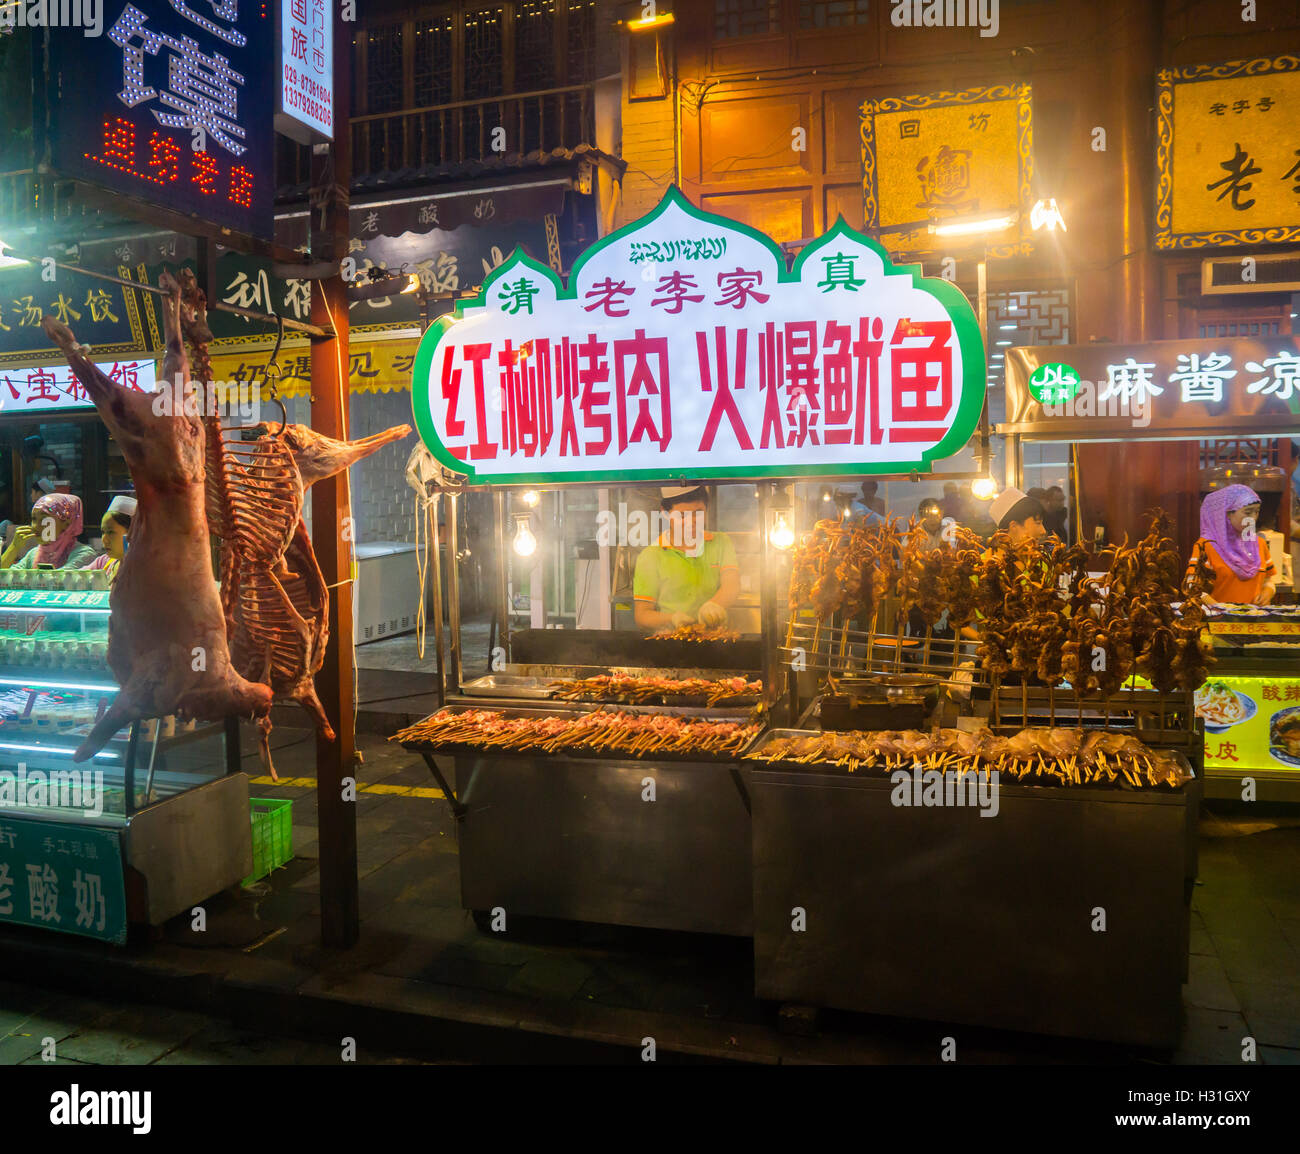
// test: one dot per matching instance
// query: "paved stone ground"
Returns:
(91, 1031)
(422, 957)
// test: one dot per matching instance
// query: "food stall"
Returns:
(158, 819)
(1234, 387)
(154, 822)
(625, 775)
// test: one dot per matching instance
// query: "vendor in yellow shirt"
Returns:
(690, 576)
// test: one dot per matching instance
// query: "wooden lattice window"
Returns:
(581, 42)
(733, 19)
(833, 13)
(384, 68)
(483, 53)
(433, 61)
(534, 45)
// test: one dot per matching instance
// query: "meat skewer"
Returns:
(1065, 756)
(631, 734)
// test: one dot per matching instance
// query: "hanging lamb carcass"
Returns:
(175, 644)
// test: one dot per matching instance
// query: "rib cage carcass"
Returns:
(272, 590)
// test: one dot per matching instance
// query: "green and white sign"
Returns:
(1053, 384)
(682, 346)
(62, 876)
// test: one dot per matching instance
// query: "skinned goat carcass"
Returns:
(273, 593)
(167, 643)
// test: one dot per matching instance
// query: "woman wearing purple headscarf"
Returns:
(1243, 570)
(52, 539)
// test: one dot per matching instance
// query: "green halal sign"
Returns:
(1053, 384)
(684, 346)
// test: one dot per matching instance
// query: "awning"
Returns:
(397, 214)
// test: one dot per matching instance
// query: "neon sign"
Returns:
(171, 108)
(161, 160)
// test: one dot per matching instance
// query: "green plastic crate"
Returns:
(272, 836)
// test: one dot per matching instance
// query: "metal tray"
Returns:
(508, 685)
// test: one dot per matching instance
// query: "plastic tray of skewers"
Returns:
(1036, 756)
(615, 733)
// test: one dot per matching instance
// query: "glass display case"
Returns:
(55, 683)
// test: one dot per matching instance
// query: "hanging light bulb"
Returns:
(530, 497)
(781, 535)
(984, 489)
(525, 544)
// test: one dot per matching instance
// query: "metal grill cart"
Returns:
(155, 822)
(932, 911)
(1141, 393)
(674, 353)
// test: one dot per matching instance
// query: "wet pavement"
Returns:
(425, 980)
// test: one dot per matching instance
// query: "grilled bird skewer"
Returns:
(1061, 756)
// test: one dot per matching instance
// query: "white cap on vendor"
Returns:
(122, 504)
(44, 484)
(668, 492)
(1011, 505)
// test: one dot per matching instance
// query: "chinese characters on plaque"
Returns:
(931, 158)
(712, 359)
(1229, 154)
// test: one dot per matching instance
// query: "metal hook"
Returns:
(284, 416)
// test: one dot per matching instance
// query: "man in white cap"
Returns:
(689, 576)
(1019, 515)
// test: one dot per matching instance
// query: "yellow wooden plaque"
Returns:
(948, 155)
(1228, 154)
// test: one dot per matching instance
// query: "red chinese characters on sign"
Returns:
(526, 423)
(163, 160)
(56, 387)
(818, 383)
(921, 378)
(641, 391)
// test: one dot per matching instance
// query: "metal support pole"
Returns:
(982, 303)
(767, 609)
(454, 663)
(503, 573)
(433, 566)
(331, 527)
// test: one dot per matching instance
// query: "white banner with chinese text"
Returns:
(682, 347)
(53, 387)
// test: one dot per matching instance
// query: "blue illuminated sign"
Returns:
(172, 107)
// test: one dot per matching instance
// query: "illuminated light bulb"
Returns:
(826, 494)
(984, 489)
(525, 544)
(781, 534)
(530, 498)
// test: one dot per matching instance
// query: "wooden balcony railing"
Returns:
(463, 131)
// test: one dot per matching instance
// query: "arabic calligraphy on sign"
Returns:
(714, 365)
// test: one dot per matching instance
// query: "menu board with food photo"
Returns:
(1251, 722)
